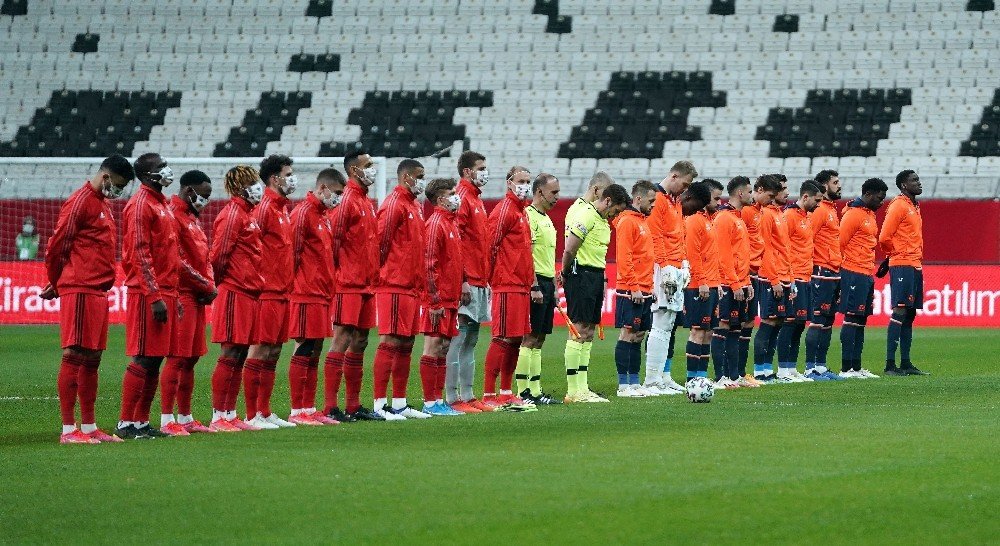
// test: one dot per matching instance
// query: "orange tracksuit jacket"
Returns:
(774, 265)
(634, 249)
(826, 236)
(858, 228)
(734, 248)
(751, 215)
(800, 237)
(702, 250)
(902, 237)
(666, 223)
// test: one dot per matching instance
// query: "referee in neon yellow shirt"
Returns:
(588, 234)
(528, 374)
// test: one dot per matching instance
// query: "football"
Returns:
(700, 390)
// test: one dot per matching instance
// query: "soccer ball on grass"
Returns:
(699, 390)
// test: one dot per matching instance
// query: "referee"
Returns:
(545, 194)
(588, 234)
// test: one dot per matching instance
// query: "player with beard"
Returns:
(825, 288)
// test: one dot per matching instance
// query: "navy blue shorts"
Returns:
(731, 311)
(699, 313)
(798, 308)
(857, 292)
(907, 285)
(771, 307)
(753, 305)
(636, 316)
(824, 292)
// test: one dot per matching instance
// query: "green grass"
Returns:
(895, 460)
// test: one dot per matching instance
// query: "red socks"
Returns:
(428, 377)
(509, 364)
(141, 413)
(442, 369)
(222, 377)
(87, 389)
(401, 371)
(233, 392)
(68, 384)
(496, 356)
(353, 373)
(298, 370)
(333, 372)
(267, 372)
(384, 356)
(251, 384)
(132, 386)
(169, 382)
(185, 386)
(309, 390)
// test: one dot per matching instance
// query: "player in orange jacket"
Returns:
(701, 296)
(800, 254)
(765, 190)
(858, 228)
(774, 281)
(735, 291)
(825, 289)
(902, 240)
(634, 288)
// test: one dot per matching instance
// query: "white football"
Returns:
(700, 390)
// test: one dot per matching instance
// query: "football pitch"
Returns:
(889, 461)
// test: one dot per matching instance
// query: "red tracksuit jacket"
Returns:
(313, 247)
(80, 255)
(401, 244)
(236, 249)
(271, 214)
(472, 221)
(511, 266)
(355, 247)
(150, 255)
(195, 272)
(443, 260)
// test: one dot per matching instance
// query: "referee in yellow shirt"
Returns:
(528, 374)
(588, 234)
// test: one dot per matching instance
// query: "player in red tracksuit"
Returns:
(195, 291)
(474, 308)
(352, 310)
(400, 287)
(80, 266)
(511, 270)
(151, 261)
(312, 248)
(275, 225)
(235, 257)
(442, 260)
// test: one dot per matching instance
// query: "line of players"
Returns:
(271, 276)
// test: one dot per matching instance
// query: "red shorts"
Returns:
(398, 314)
(272, 322)
(144, 336)
(189, 330)
(309, 320)
(357, 310)
(233, 317)
(83, 321)
(447, 326)
(511, 314)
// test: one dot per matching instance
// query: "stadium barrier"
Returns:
(954, 295)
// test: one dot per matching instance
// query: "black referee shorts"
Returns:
(541, 313)
(584, 294)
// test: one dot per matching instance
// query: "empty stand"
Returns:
(263, 124)
(985, 138)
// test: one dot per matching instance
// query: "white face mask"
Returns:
(111, 191)
(198, 202)
(482, 177)
(418, 187)
(332, 200)
(28, 229)
(370, 173)
(522, 191)
(290, 184)
(254, 192)
(454, 201)
(166, 175)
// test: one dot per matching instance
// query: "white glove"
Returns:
(685, 273)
